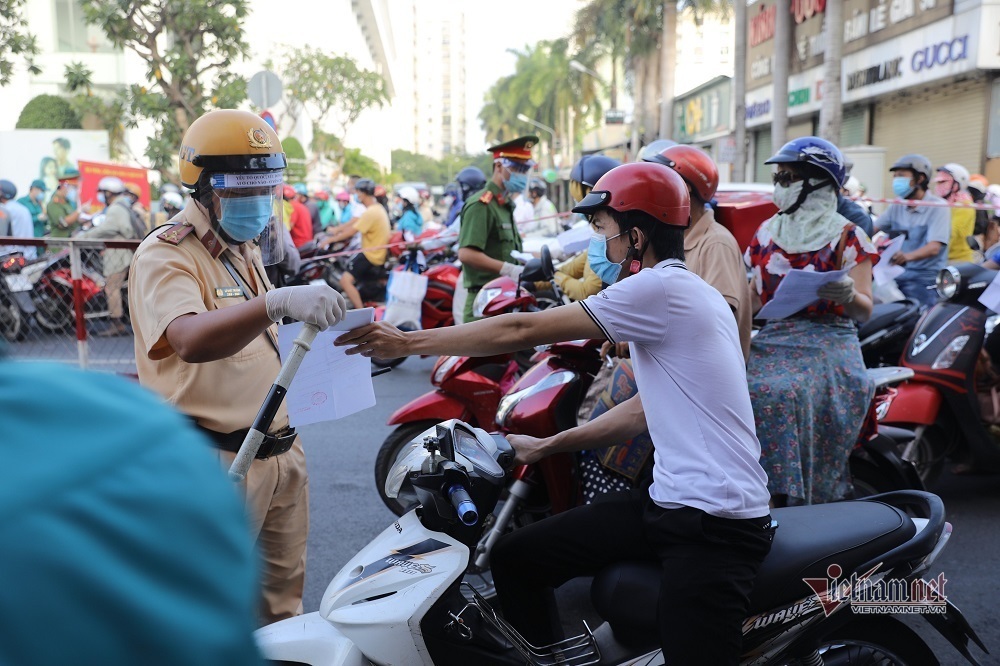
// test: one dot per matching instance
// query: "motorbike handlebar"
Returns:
(464, 506)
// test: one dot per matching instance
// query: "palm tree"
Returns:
(782, 58)
(740, 91)
(544, 88)
(831, 112)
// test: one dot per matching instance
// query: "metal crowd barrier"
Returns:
(54, 306)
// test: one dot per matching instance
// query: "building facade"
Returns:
(917, 76)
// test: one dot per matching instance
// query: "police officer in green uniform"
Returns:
(488, 233)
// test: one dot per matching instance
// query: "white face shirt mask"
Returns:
(813, 224)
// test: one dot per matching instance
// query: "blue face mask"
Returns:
(101, 197)
(597, 256)
(244, 218)
(71, 195)
(516, 183)
(901, 187)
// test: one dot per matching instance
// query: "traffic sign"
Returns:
(264, 89)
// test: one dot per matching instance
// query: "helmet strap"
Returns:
(807, 189)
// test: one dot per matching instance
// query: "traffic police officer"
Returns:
(488, 233)
(203, 312)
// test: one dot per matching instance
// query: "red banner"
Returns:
(91, 174)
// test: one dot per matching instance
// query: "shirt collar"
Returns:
(698, 230)
(666, 263)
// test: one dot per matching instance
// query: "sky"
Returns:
(492, 32)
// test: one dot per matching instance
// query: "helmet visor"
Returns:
(250, 208)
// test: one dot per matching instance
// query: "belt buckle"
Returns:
(276, 444)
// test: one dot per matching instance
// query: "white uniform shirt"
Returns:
(690, 372)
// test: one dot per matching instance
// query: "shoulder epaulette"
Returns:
(174, 234)
(487, 197)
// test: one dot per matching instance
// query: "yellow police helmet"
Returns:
(229, 141)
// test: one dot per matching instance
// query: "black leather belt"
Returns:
(273, 444)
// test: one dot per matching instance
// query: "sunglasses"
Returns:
(784, 178)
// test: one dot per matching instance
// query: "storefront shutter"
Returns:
(944, 123)
(762, 151)
(853, 127)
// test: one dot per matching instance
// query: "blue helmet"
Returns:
(470, 179)
(816, 151)
(300, 188)
(7, 189)
(590, 168)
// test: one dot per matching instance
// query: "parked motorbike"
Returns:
(16, 306)
(401, 599)
(941, 402)
(52, 293)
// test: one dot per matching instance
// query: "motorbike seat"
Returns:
(807, 541)
(885, 315)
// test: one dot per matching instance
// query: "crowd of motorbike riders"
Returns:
(809, 391)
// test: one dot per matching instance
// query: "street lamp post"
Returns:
(525, 119)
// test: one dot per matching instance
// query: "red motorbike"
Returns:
(942, 401)
(52, 292)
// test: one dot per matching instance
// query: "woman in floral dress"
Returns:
(808, 383)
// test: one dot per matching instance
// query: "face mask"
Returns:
(101, 197)
(785, 197)
(597, 255)
(516, 183)
(39, 197)
(943, 190)
(902, 187)
(244, 218)
(71, 195)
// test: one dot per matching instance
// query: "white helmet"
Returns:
(958, 172)
(172, 199)
(854, 186)
(410, 194)
(111, 184)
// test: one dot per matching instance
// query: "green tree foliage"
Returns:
(413, 167)
(109, 108)
(189, 47)
(362, 165)
(296, 156)
(16, 43)
(48, 112)
(330, 87)
(543, 87)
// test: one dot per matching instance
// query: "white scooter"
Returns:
(401, 600)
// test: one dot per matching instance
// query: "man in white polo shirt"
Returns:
(705, 516)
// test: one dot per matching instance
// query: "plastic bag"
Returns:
(406, 293)
(886, 292)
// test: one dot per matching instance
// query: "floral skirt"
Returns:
(810, 395)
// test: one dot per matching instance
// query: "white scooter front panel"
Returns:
(378, 599)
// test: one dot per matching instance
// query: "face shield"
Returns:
(249, 208)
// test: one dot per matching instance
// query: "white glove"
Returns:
(317, 304)
(513, 271)
(840, 292)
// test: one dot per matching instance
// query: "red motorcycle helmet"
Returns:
(288, 193)
(323, 195)
(652, 188)
(695, 166)
(500, 296)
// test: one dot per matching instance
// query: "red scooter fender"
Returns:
(915, 404)
(434, 406)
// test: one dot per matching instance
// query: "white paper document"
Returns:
(797, 290)
(991, 296)
(329, 384)
(885, 271)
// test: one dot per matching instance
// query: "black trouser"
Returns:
(709, 566)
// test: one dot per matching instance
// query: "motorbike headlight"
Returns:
(508, 402)
(483, 299)
(446, 365)
(947, 357)
(948, 282)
